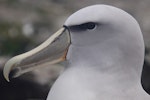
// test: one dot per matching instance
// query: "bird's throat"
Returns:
(113, 69)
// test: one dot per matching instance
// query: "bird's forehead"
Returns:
(90, 14)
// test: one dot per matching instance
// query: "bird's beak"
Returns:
(52, 51)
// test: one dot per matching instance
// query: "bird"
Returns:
(104, 52)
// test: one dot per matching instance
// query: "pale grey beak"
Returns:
(52, 51)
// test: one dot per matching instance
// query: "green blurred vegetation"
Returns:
(12, 39)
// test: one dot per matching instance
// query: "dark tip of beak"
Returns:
(13, 73)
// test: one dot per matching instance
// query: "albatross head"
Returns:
(99, 36)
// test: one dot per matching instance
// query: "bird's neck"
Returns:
(91, 83)
(115, 68)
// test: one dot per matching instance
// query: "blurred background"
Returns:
(24, 24)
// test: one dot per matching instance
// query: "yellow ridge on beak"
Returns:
(52, 51)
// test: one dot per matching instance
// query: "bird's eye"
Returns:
(83, 27)
(90, 25)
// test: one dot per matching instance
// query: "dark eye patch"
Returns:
(83, 27)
